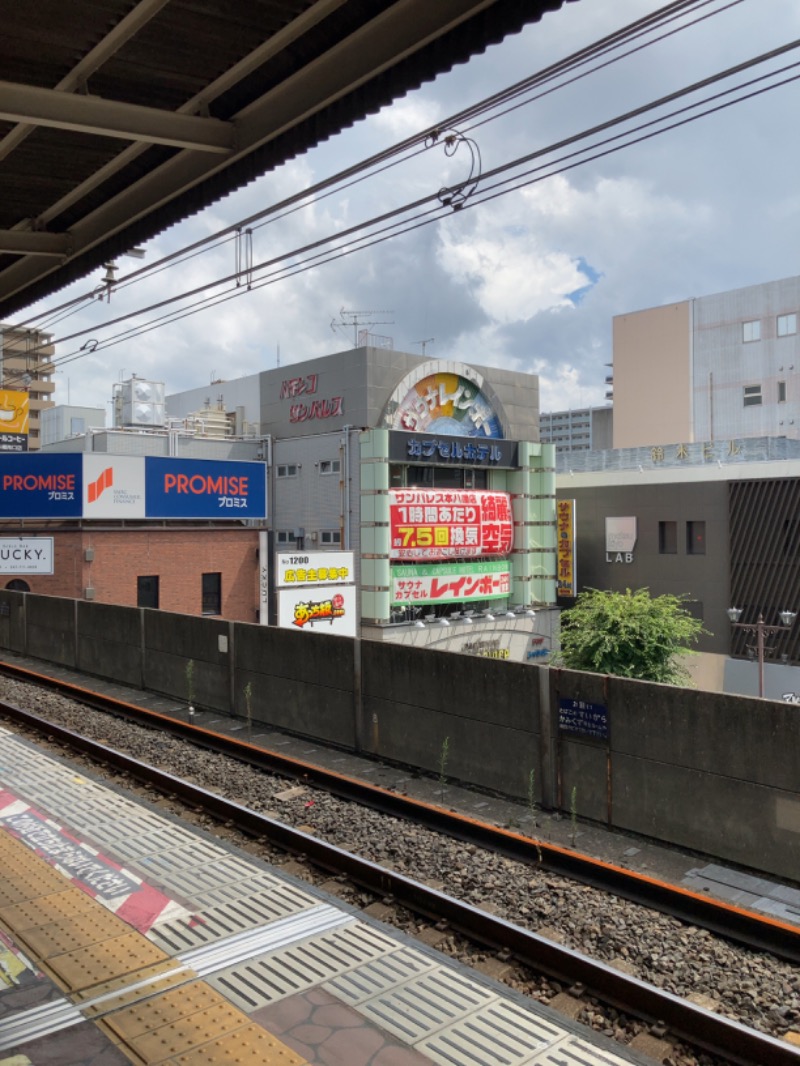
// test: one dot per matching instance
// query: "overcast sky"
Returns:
(528, 281)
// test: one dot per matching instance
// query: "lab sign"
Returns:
(620, 539)
(26, 555)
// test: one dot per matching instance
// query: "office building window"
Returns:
(287, 470)
(781, 392)
(147, 591)
(329, 537)
(695, 538)
(212, 594)
(668, 538)
(751, 397)
(330, 466)
(751, 331)
(284, 536)
(787, 325)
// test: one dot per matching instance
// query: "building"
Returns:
(62, 421)
(577, 430)
(350, 432)
(26, 362)
(718, 527)
(420, 484)
(713, 368)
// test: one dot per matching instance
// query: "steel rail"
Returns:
(761, 933)
(718, 1035)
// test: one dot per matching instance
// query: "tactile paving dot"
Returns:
(164, 1009)
(102, 962)
(70, 934)
(60, 905)
(249, 1046)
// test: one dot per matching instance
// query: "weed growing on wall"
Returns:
(573, 812)
(533, 807)
(248, 704)
(189, 671)
(444, 754)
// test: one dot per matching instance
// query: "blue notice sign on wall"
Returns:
(586, 719)
(204, 488)
(33, 485)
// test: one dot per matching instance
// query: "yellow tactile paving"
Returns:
(165, 1009)
(249, 1046)
(90, 966)
(60, 905)
(122, 992)
(66, 935)
(119, 974)
(195, 1024)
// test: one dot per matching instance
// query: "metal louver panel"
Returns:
(765, 559)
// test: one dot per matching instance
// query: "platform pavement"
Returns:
(743, 888)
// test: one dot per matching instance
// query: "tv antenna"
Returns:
(355, 319)
(423, 344)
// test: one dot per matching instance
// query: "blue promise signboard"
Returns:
(204, 488)
(41, 486)
(586, 719)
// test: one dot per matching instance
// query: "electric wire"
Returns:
(339, 182)
(291, 266)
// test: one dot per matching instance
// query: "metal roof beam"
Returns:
(20, 242)
(111, 118)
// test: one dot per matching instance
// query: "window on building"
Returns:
(329, 537)
(787, 325)
(751, 331)
(284, 536)
(781, 392)
(330, 466)
(668, 538)
(695, 538)
(212, 594)
(287, 470)
(147, 591)
(751, 396)
(16, 584)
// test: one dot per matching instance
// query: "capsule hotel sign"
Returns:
(620, 539)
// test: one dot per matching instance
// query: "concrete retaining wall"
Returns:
(706, 771)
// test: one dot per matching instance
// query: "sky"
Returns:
(530, 280)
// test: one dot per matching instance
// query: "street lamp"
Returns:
(760, 628)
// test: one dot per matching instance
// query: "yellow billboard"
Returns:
(14, 409)
(565, 518)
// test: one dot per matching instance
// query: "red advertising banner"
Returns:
(449, 523)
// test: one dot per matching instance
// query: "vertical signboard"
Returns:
(566, 585)
(14, 417)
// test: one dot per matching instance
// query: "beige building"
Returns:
(714, 368)
(26, 365)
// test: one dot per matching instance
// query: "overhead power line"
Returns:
(428, 209)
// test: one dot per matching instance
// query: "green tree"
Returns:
(629, 634)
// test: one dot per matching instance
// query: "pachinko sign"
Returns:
(451, 582)
(319, 609)
(449, 523)
(447, 403)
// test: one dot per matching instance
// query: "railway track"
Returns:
(724, 1038)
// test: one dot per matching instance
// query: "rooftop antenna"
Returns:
(359, 318)
(424, 343)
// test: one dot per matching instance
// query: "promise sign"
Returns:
(449, 523)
